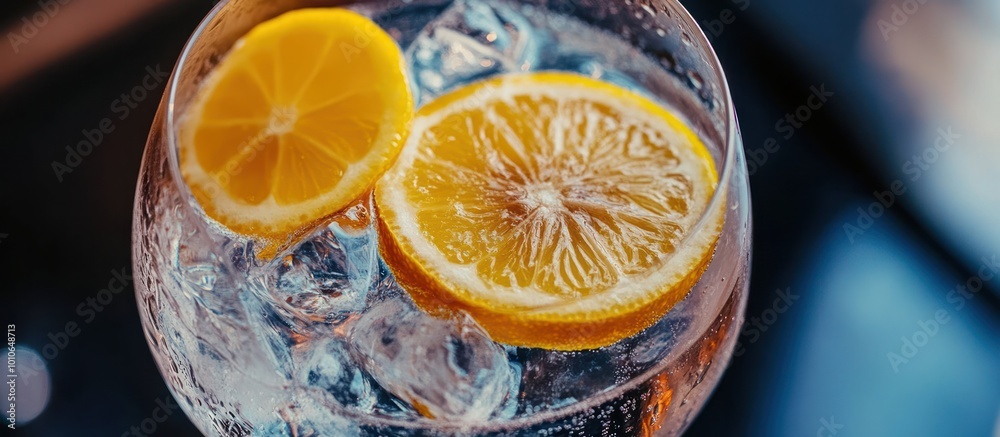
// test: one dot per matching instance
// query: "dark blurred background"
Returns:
(875, 213)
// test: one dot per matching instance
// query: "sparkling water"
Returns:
(322, 341)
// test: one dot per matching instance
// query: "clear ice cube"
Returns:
(445, 368)
(472, 40)
(204, 268)
(476, 39)
(307, 418)
(329, 368)
(278, 335)
(326, 278)
(215, 360)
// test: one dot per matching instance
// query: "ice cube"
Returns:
(307, 418)
(278, 335)
(445, 368)
(384, 287)
(329, 367)
(205, 274)
(203, 266)
(326, 278)
(472, 40)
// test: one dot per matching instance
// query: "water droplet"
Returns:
(685, 38)
(667, 60)
(661, 32)
(696, 81)
(706, 94)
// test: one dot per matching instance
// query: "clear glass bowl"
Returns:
(232, 371)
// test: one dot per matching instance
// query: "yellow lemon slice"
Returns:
(555, 209)
(297, 122)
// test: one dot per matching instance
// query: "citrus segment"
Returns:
(298, 121)
(557, 210)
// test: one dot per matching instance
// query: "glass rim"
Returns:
(729, 157)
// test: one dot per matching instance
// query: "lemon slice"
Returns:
(297, 122)
(557, 210)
